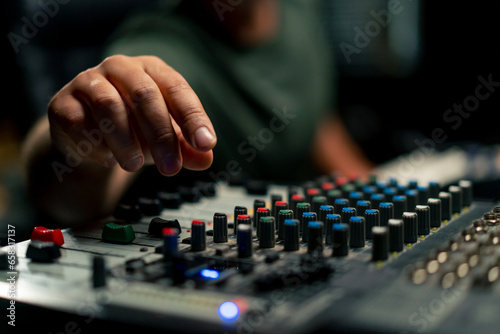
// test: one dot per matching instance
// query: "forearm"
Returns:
(69, 191)
(335, 151)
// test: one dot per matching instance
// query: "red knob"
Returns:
(46, 234)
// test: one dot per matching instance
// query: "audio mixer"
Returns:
(336, 254)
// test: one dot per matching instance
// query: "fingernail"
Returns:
(133, 164)
(203, 138)
(171, 164)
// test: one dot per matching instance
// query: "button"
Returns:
(220, 227)
(157, 225)
(43, 251)
(41, 233)
(115, 233)
(198, 236)
(380, 247)
(291, 234)
(267, 238)
(340, 242)
(357, 231)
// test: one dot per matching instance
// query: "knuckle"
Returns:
(108, 104)
(144, 93)
(177, 85)
(114, 60)
(163, 136)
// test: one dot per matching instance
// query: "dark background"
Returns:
(385, 110)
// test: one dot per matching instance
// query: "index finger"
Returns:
(184, 105)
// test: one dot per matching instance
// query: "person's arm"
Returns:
(103, 126)
(335, 151)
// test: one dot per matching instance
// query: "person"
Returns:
(243, 87)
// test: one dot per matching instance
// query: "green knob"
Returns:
(122, 234)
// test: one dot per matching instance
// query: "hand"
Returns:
(133, 111)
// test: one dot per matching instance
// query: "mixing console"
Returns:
(334, 255)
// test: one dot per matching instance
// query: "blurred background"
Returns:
(397, 75)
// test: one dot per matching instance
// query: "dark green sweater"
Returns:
(264, 102)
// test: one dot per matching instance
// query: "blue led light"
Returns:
(229, 311)
(209, 274)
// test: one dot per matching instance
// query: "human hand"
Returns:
(133, 111)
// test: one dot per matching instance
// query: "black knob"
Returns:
(386, 212)
(331, 219)
(170, 244)
(315, 241)
(238, 210)
(282, 216)
(423, 195)
(128, 212)
(332, 195)
(291, 229)
(376, 199)
(456, 199)
(324, 211)
(43, 251)
(410, 227)
(267, 232)
(301, 208)
(98, 272)
(346, 214)
(261, 212)
(220, 227)
(198, 236)
(357, 231)
(435, 211)
(372, 218)
(170, 200)
(445, 198)
(411, 199)
(400, 205)
(275, 198)
(423, 219)
(396, 235)
(317, 202)
(434, 189)
(150, 206)
(339, 204)
(306, 218)
(258, 203)
(466, 186)
(380, 247)
(340, 239)
(244, 240)
(362, 206)
(157, 225)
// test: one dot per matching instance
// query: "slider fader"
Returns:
(331, 255)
